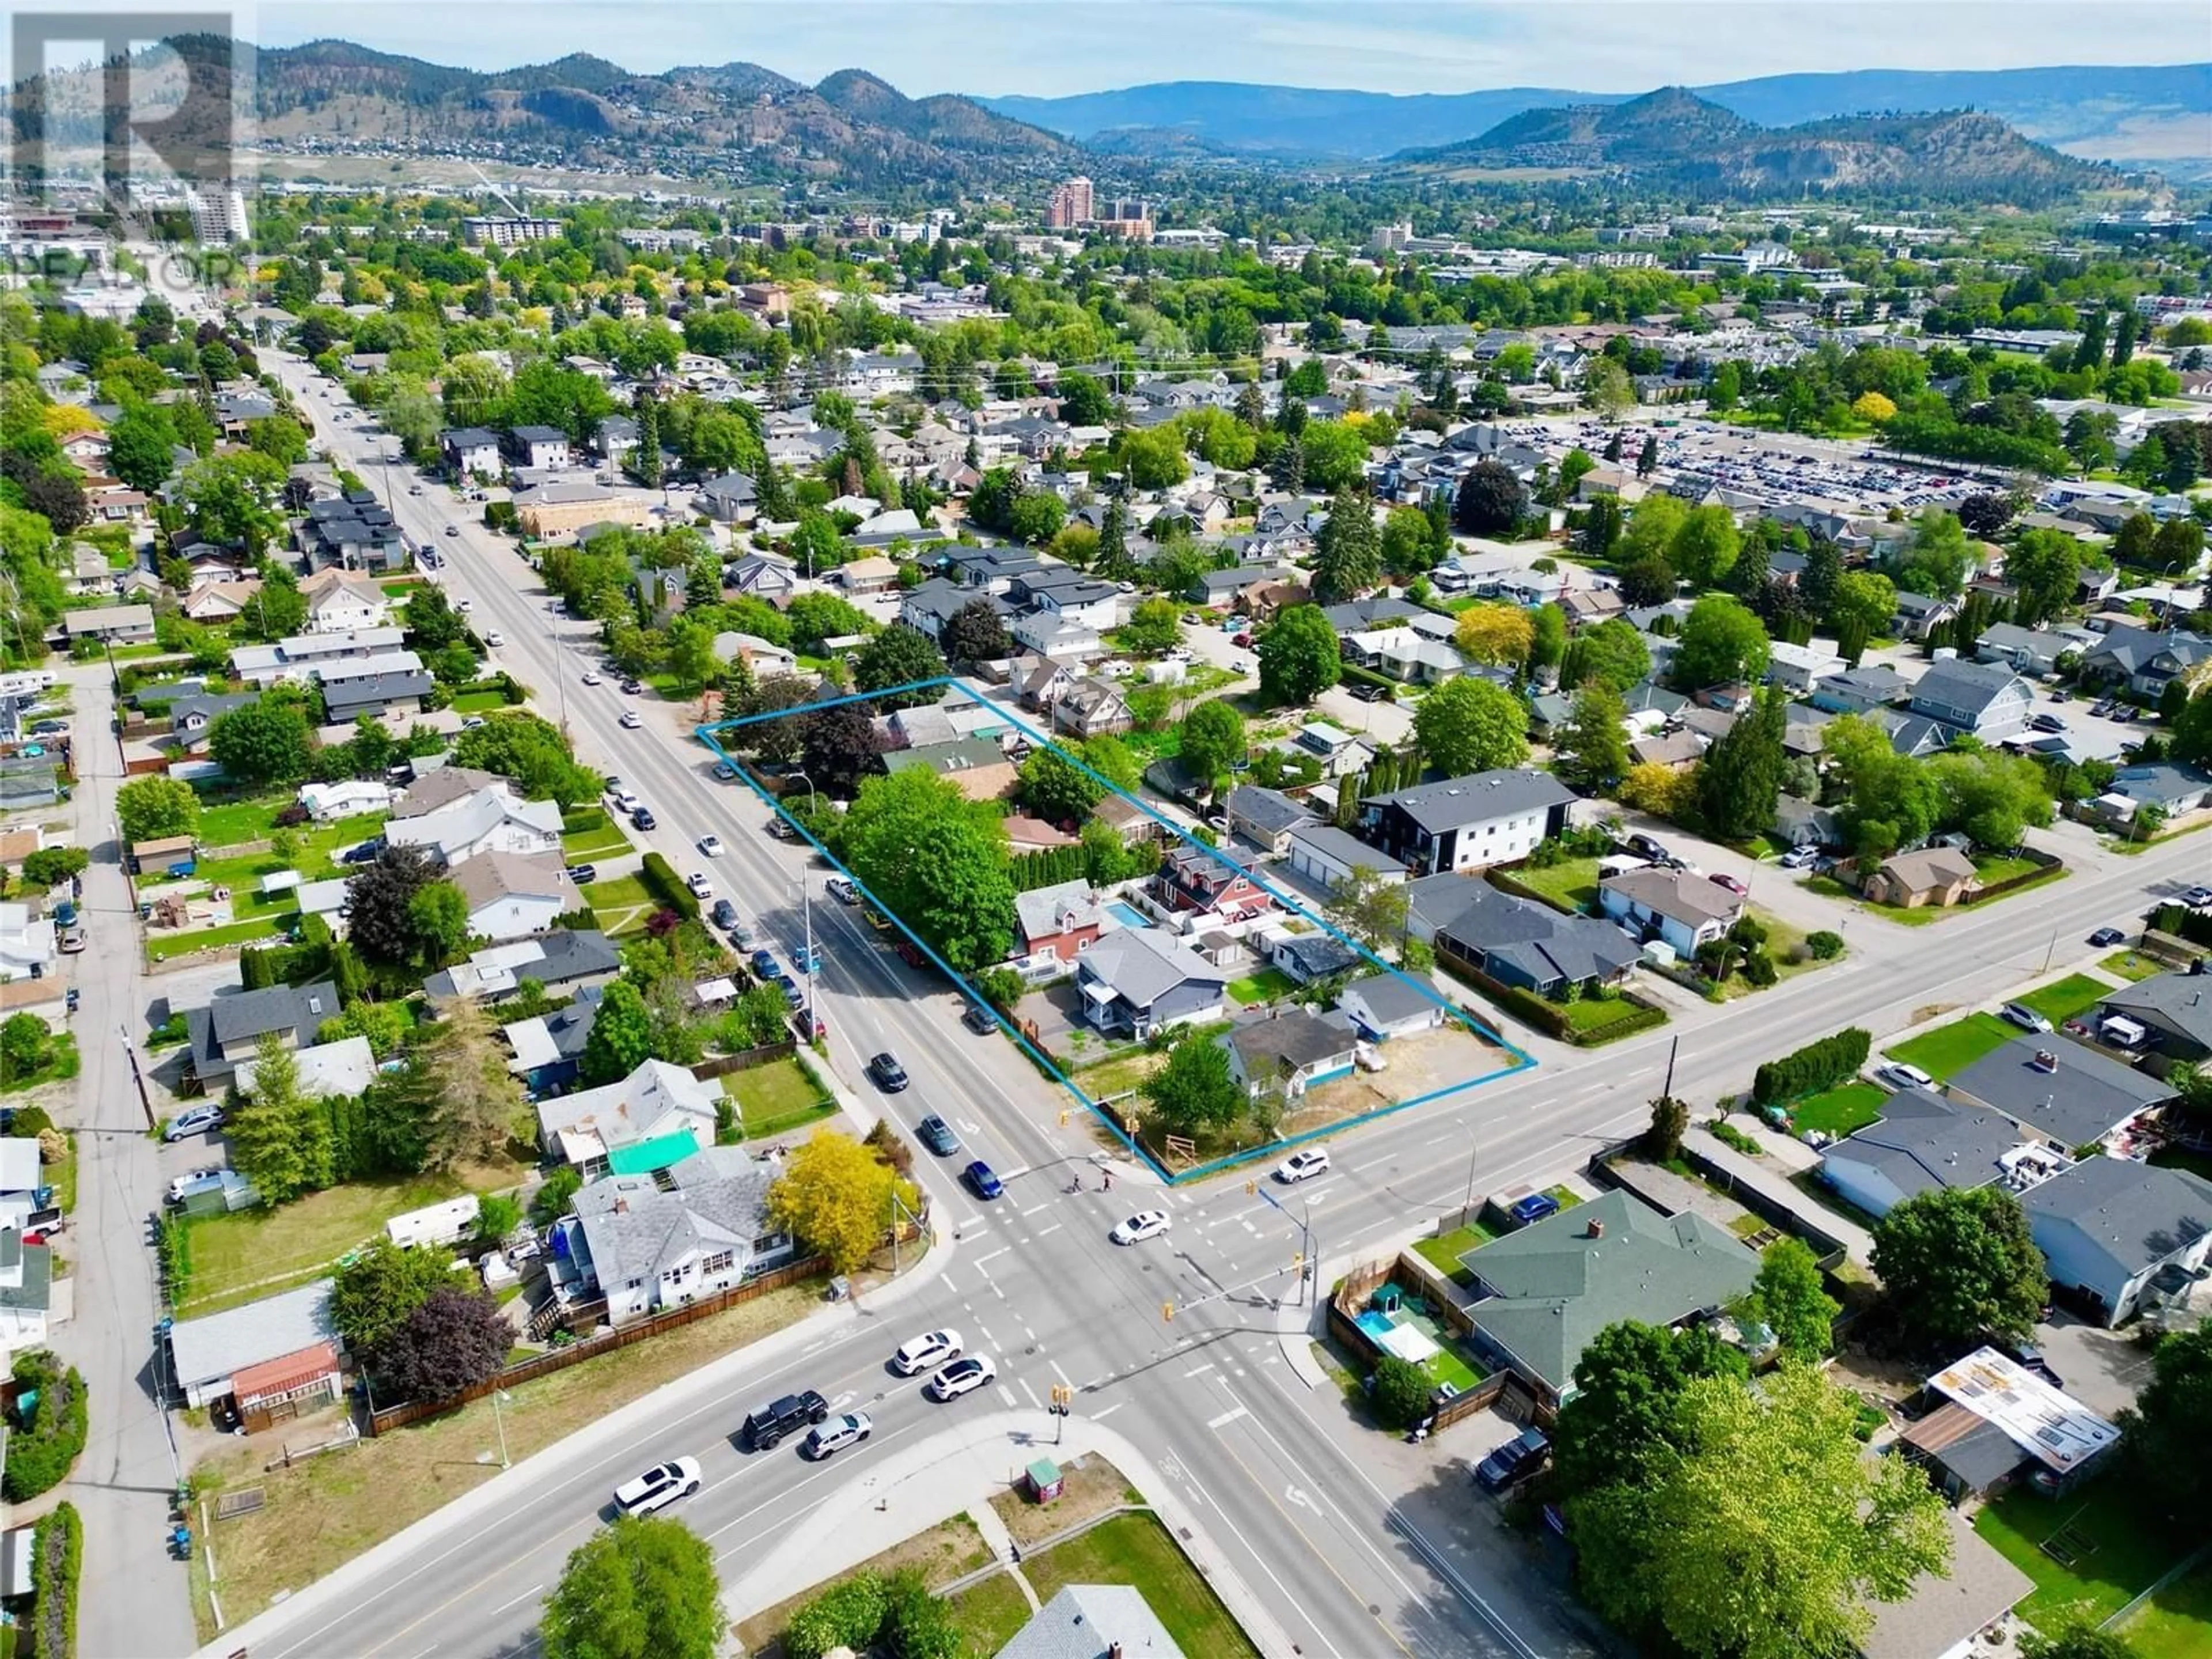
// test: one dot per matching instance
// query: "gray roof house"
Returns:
(2174, 1009)
(1922, 1142)
(206, 1353)
(647, 1248)
(2070, 1095)
(1682, 910)
(1856, 690)
(1326, 856)
(1309, 957)
(1542, 1293)
(1265, 817)
(1987, 700)
(560, 961)
(1288, 1052)
(1139, 978)
(1463, 823)
(1093, 1621)
(224, 1031)
(1519, 942)
(1385, 1004)
(2110, 1228)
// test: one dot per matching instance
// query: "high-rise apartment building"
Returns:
(1071, 205)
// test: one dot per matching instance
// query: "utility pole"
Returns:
(1470, 1177)
(137, 1074)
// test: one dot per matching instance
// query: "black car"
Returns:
(1518, 1458)
(367, 853)
(583, 874)
(724, 914)
(977, 1019)
(886, 1073)
(643, 818)
(770, 1423)
(2105, 936)
(937, 1134)
(1364, 693)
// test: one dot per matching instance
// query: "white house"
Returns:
(1384, 1005)
(345, 1067)
(460, 813)
(1327, 856)
(1682, 910)
(511, 894)
(646, 1245)
(350, 798)
(341, 602)
(26, 1278)
(653, 1102)
(26, 943)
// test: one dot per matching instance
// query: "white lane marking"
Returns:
(1100, 1417)
(1199, 1370)
(1046, 1232)
(1031, 1392)
(1007, 1395)
(524, 1596)
(1227, 1417)
(1034, 1208)
(994, 1255)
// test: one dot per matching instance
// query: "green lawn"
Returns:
(240, 820)
(775, 1098)
(1838, 1111)
(1995, 867)
(1827, 887)
(1443, 1252)
(2177, 1622)
(2131, 966)
(2118, 1550)
(1138, 1551)
(2061, 1000)
(162, 947)
(479, 702)
(621, 905)
(1445, 1366)
(1594, 1014)
(1571, 884)
(1949, 1049)
(589, 833)
(1264, 986)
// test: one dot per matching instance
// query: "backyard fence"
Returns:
(2047, 865)
(723, 1065)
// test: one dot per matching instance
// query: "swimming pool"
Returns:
(1127, 915)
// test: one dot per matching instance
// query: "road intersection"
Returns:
(1221, 1398)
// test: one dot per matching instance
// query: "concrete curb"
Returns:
(470, 1508)
(833, 1538)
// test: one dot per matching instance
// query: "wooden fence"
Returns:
(723, 1065)
(2048, 867)
(1502, 1387)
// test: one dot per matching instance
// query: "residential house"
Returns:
(927, 608)
(1329, 857)
(1801, 823)
(114, 624)
(1946, 1613)
(340, 602)
(561, 964)
(343, 1069)
(874, 575)
(190, 715)
(1093, 1621)
(2144, 660)
(1198, 882)
(511, 894)
(1542, 1294)
(2024, 650)
(28, 780)
(654, 1110)
(563, 507)
(1799, 668)
(1308, 958)
(306, 658)
(1225, 590)
(1385, 1004)
(758, 576)
(217, 603)
(347, 696)
(1859, 690)
(1338, 751)
(1918, 615)
(227, 1030)
(1091, 709)
(539, 448)
(232, 1354)
(1519, 942)
(1677, 751)
(2061, 1091)
(1265, 817)
(22, 1179)
(615, 438)
(1405, 655)
(1289, 1051)
(977, 766)
(1027, 835)
(353, 531)
(1059, 922)
(1986, 701)
(2172, 1012)
(1681, 910)
(459, 812)
(88, 575)
(1468, 823)
(1937, 876)
(550, 1048)
(2110, 1228)
(2000, 1420)
(2172, 789)
(26, 1278)
(1139, 980)
(729, 498)
(1924, 1143)
(26, 943)
(646, 1248)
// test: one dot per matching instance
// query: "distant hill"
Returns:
(1674, 136)
(587, 112)
(2157, 114)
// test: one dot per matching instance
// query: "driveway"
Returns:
(2102, 1369)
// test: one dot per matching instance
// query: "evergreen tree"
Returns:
(1287, 471)
(2090, 353)
(648, 442)
(1648, 461)
(1741, 778)
(1348, 560)
(1114, 564)
(1612, 444)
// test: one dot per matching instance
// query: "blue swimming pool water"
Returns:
(1127, 915)
(1376, 1325)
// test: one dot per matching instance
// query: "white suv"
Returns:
(658, 1487)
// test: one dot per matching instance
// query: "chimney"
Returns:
(1597, 1228)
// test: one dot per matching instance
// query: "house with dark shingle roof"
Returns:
(1519, 942)
(2110, 1229)
(1682, 910)
(224, 1032)
(1138, 979)
(1265, 817)
(2174, 1009)
(1309, 957)
(1288, 1052)
(2066, 1094)
(1543, 1294)
(1466, 823)
(1987, 700)
(1922, 1142)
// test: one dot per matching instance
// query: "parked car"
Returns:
(2105, 936)
(643, 818)
(194, 1121)
(934, 1133)
(1301, 1164)
(632, 687)
(963, 1377)
(495, 639)
(767, 1424)
(1899, 1075)
(977, 1019)
(886, 1073)
(367, 852)
(711, 846)
(842, 889)
(621, 798)
(765, 965)
(1799, 858)
(830, 1438)
(1514, 1462)
(724, 914)
(659, 1487)
(2047, 722)
(1145, 1223)
(1534, 1208)
(583, 874)
(725, 773)
(2025, 1017)
(983, 1181)
(934, 1348)
(1722, 878)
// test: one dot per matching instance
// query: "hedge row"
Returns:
(57, 1560)
(1815, 1066)
(40, 1455)
(659, 877)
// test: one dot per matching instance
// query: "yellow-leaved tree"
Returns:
(834, 1197)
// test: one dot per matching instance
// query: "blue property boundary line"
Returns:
(710, 734)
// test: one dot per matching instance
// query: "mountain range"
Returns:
(1675, 137)
(2159, 116)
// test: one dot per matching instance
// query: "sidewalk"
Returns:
(961, 1469)
(1857, 1243)
(472, 1511)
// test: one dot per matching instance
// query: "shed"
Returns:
(1045, 1480)
(434, 1224)
(174, 854)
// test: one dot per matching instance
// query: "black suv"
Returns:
(770, 1423)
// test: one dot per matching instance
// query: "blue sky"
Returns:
(1051, 47)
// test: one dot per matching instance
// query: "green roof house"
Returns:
(1544, 1293)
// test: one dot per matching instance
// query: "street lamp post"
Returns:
(498, 1397)
(1470, 1180)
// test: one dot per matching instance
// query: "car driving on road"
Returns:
(1145, 1223)
(767, 1424)
(886, 1073)
(924, 1352)
(937, 1134)
(659, 1487)
(982, 1181)
(1299, 1165)
(839, 1432)
(711, 846)
(961, 1376)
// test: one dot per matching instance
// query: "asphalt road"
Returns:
(1032, 1279)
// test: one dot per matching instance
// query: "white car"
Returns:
(1899, 1075)
(839, 1432)
(624, 802)
(963, 1377)
(465, 605)
(700, 887)
(591, 677)
(711, 846)
(934, 1349)
(1145, 1223)
(2025, 1017)
(495, 639)
(658, 1487)
(1298, 1166)
(630, 721)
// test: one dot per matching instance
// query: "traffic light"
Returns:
(1063, 1117)
(1167, 1312)
(1298, 1260)
(1063, 1399)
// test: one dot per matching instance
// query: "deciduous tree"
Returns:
(1299, 658)
(280, 1140)
(1491, 500)
(1470, 724)
(834, 1197)
(1956, 1263)
(1593, 746)
(898, 656)
(155, 808)
(1789, 1299)
(1194, 1092)
(975, 633)
(1500, 634)
(1722, 643)
(1620, 1420)
(456, 1339)
(265, 742)
(644, 1588)
(1613, 653)
(1213, 740)
(2172, 1423)
(372, 1295)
